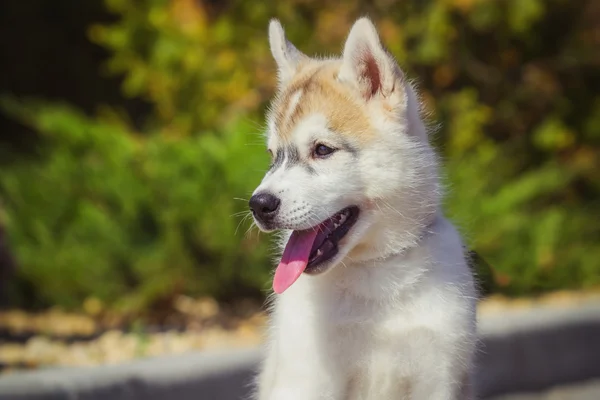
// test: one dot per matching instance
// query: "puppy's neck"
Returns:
(394, 275)
(391, 238)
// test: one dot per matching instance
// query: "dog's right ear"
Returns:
(285, 54)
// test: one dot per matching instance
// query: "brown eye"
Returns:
(323, 151)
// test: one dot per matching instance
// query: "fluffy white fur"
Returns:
(393, 317)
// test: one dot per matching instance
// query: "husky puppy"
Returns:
(374, 299)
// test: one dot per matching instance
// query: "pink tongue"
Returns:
(294, 259)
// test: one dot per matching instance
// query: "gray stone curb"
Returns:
(195, 375)
(535, 349)
(582, 391)
(529, 350)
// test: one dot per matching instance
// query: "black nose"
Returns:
(264, 206)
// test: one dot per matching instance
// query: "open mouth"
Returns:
(329, 233)
(309, 250)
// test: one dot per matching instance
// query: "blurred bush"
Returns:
(118, 212)
(109, 213)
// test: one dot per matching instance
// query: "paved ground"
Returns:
(583, 391)
(525, 349)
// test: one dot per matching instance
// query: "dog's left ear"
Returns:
(367, 64)
(285, 54)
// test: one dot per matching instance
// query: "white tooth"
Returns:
(319, 252)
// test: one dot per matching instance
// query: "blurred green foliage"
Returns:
(132, 219)
(117, 212)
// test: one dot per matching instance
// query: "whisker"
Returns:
(237, 214)
(241, 222)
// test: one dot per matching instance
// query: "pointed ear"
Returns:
(367, 64)
(285, 54)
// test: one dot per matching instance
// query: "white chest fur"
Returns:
(403, 327)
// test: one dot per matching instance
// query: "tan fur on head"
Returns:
(336, 88)
(315, 89)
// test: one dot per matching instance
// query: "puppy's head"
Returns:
(352, 175)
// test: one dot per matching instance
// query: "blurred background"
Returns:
(130, 140)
